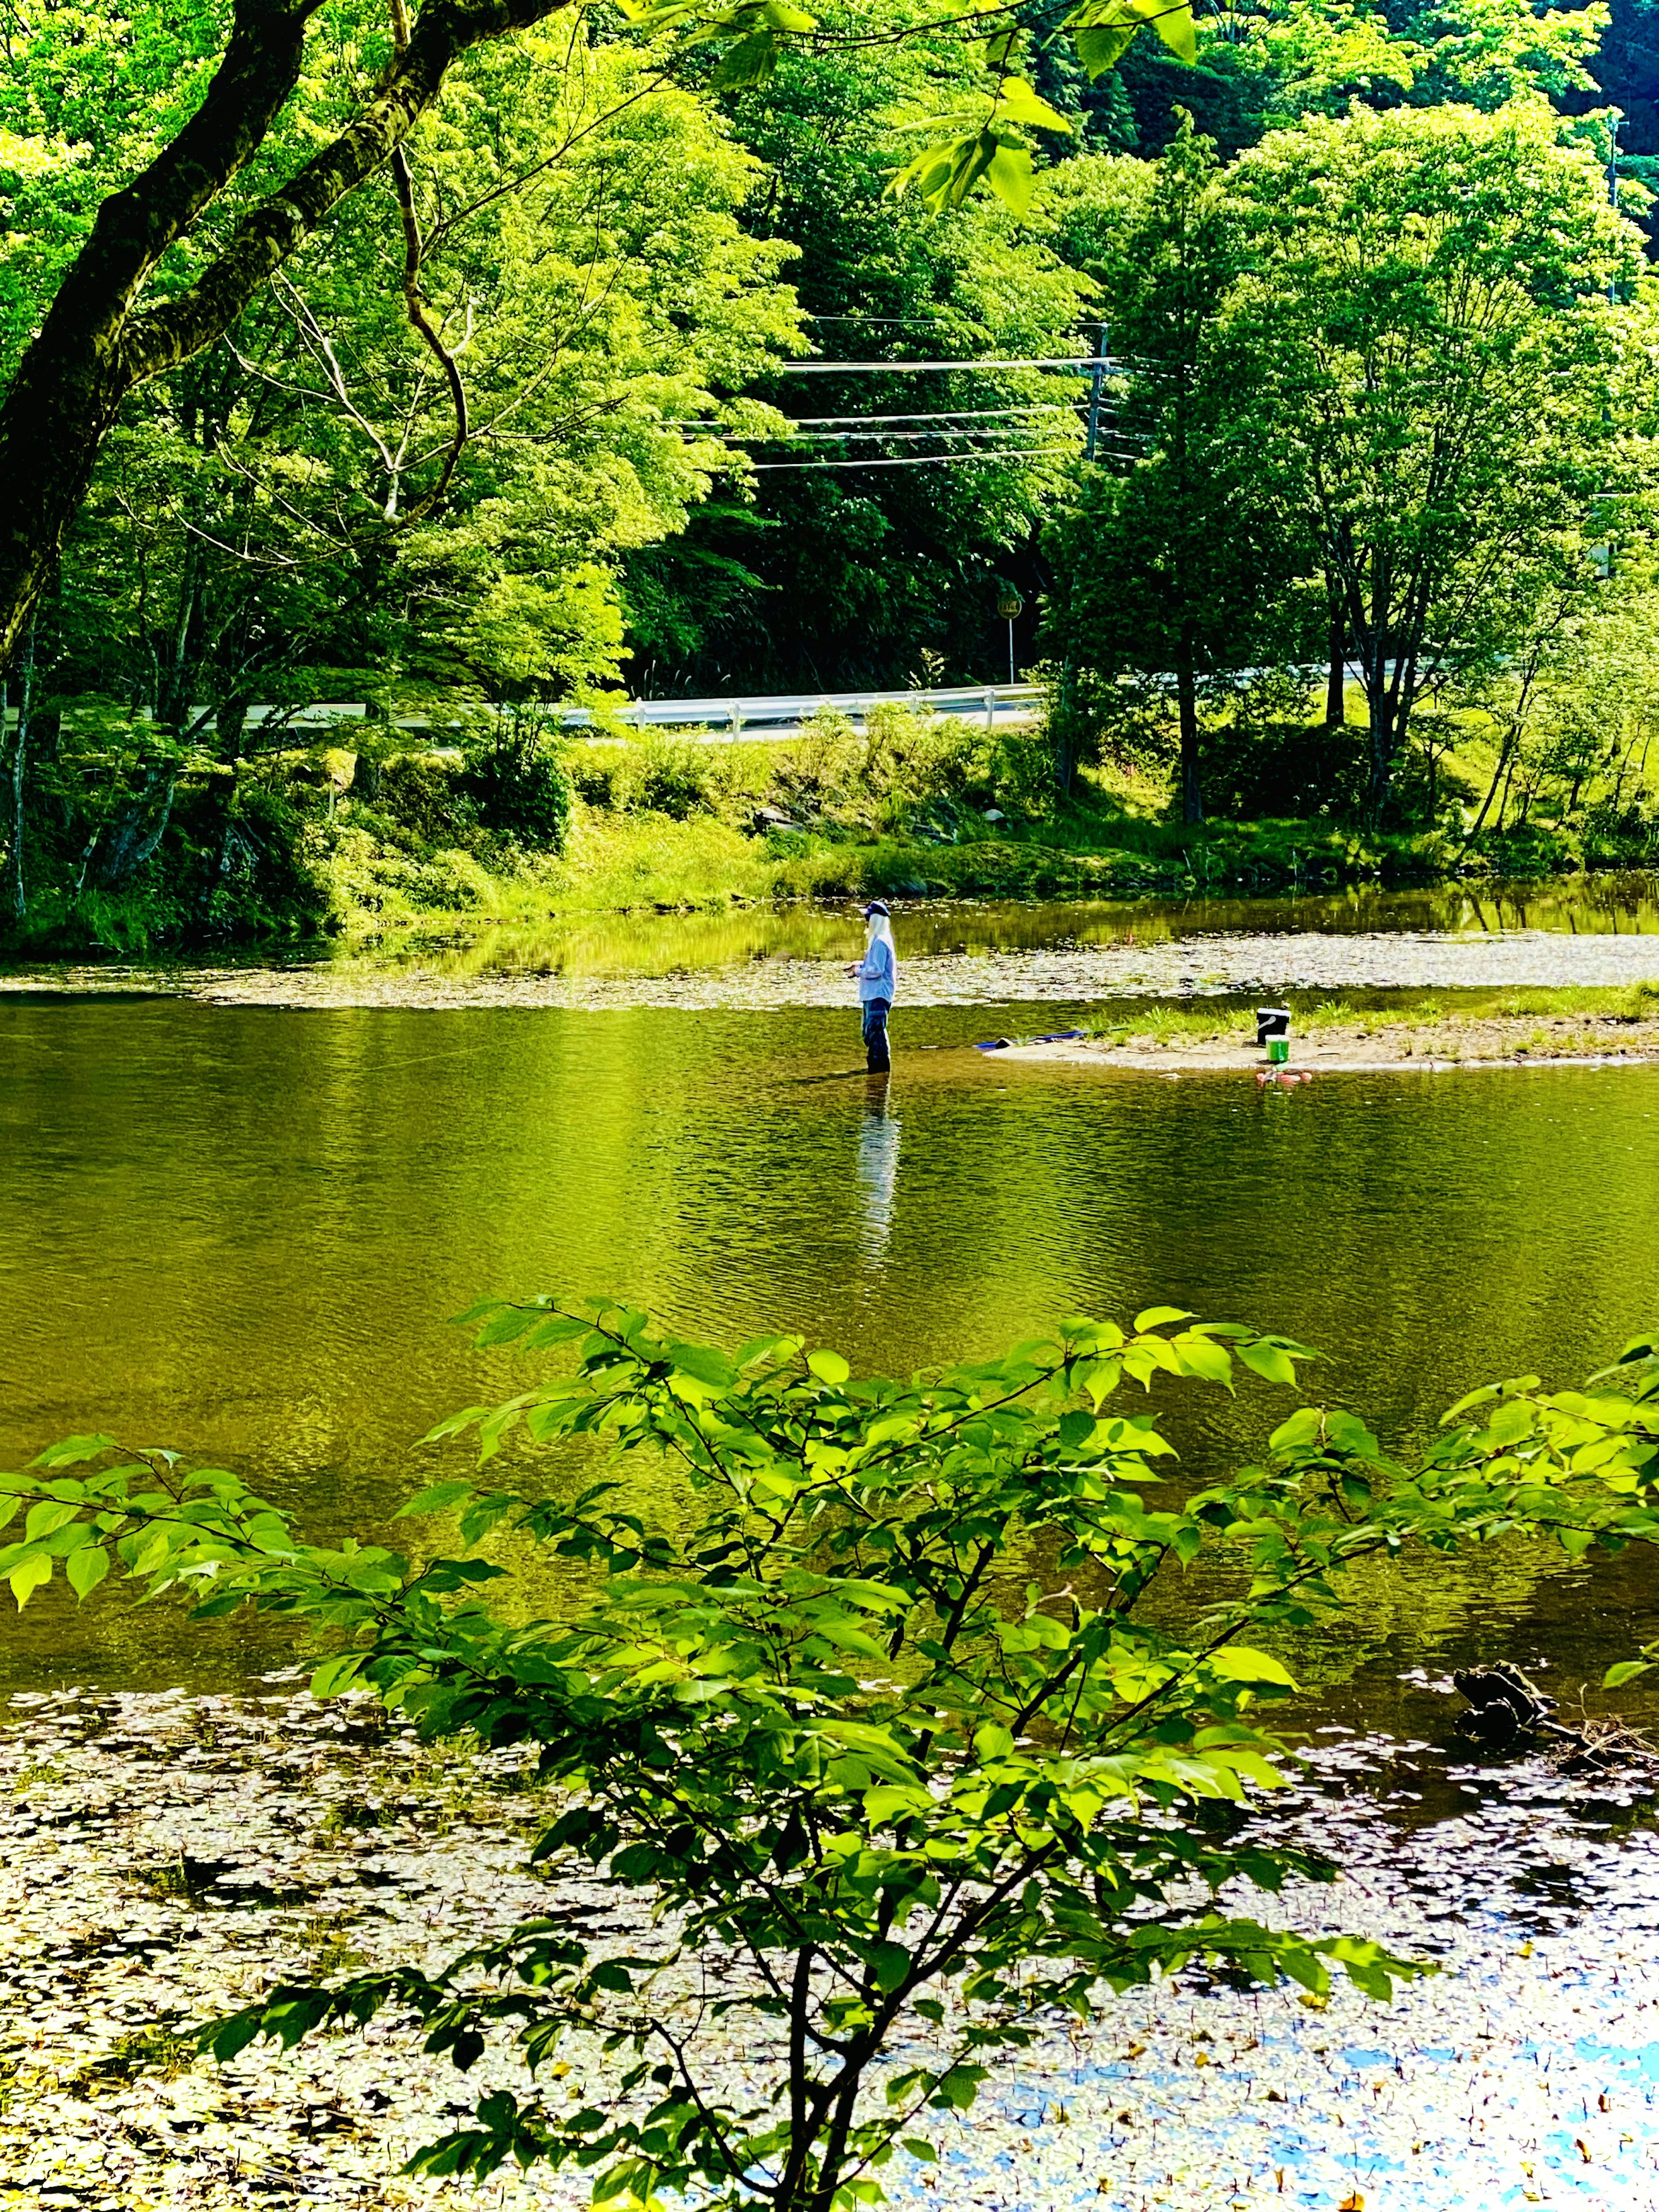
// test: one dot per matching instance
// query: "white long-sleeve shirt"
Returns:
(877, 973)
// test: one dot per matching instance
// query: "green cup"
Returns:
(1278, 1051)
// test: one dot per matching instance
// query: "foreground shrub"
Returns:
(899, 1802)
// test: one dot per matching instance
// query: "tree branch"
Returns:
(97, 343)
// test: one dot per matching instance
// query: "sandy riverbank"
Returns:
(1359, 1047)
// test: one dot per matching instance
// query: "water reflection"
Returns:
(653, 944)
(877, 1168)
(241, 1230)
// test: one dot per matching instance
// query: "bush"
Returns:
(822, 1733)
(671, 775)
(596, 775)
(1279, 772)
(427, 796)
(521, 792)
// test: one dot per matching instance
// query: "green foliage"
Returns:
(901, 1800)
(1263, 67)
(1424, 357)
(843, 576)
(1162, 557)
(1377, 408)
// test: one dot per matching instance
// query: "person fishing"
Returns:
(877, 974)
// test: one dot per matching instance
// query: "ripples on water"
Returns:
(240, 1231)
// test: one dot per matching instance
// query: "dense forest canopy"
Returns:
(506, 403)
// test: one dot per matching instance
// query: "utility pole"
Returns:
(1096, 379)
(1010, 606)
(1615, 117)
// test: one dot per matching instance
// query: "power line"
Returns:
(928, 414)
(927, 367)
(925, 460)
(876, 437)
(943, 414)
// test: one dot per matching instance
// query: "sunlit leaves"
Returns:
(822, 1716)
(1104, 29)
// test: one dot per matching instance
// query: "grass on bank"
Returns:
(332, 845)
(1365, 1012)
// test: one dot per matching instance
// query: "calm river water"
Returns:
(240, 1231)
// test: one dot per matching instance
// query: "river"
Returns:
(239, 1204)
(241, 1228)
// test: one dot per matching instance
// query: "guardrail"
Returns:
(758, 718)
(750, 719)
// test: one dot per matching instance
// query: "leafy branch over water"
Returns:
(885, 1740)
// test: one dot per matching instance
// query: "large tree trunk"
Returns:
(232, 727)
(99, 341)
(1336, 676)
(1192, 785)
(13, 897)
(138, 829)
(1383, 746)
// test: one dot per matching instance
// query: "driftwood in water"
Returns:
(1505, 1707)
(1508, 1713)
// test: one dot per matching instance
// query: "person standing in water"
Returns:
(877, 974)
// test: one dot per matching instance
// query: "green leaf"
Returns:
(86, 1569)
(438, 1497)
(505, 1325)
(1208, 1360)
(335, 1675)
(30, 1575)
(1299, 1433)
(1102, 29)
(884, 1803)
(752, 61)
(703, 1364)
(1022, 104)
(46, 1518)
(1236, 1662)
(1101, 46)
(946, 173)
(73, 1450)
(892, 1962)
(1625, 1670)
(1267, 1361)
(830, 1367)
(1158, 1317)
(1179, 33)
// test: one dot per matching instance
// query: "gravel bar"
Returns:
(1308, 961)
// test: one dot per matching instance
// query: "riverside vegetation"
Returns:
(895, 1790)
(510, 824)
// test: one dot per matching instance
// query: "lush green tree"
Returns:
(1426, 369)
(1168, 561)
(1575, 710)
(416, 495)
(878, 538)
(898, 1800)
(1262, 64)
(283, 130)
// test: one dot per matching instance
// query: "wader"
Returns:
(875, 1035)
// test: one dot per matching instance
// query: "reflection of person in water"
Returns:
(877, 974)
(878, 1170)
